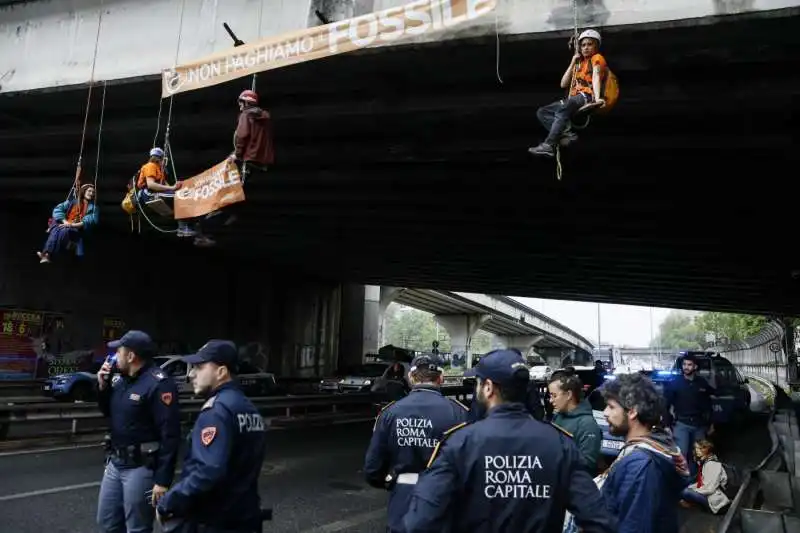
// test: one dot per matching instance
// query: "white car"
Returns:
(540, 372)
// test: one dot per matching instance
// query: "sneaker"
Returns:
(543, 149)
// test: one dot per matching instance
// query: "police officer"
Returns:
(406, 433)
(506, 472)
(689, 396)
(533, 402)
(142, 403)
(218, 489)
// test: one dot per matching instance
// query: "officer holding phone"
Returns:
(141, 402)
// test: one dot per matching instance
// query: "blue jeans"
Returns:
(685, 437)
(122, 506)
(59, 238)
(555, 117)
(695, 497)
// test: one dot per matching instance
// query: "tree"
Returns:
(416, 330)
(730, 326)
(678, 331)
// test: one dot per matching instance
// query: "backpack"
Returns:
(610, 92)
(734, 476)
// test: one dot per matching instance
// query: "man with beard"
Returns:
(643, 486)
(689, 396)
(218, 490)
(508, 471)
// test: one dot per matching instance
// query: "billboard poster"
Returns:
(20, 343)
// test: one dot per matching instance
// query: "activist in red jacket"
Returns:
(253, 138)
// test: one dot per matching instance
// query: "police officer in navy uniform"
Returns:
(506, 472)
(218, 489)
(406, 433)
(142, 403)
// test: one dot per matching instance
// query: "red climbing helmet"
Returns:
(248, 96)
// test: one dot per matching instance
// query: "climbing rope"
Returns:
(497, 43)
(260, 19)
(100, 136)
(575, 47)
(78, 167)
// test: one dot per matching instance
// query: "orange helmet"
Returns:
(249, 96)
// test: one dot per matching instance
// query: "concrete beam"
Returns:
(523, 343)
(461, 328)
(47, 44)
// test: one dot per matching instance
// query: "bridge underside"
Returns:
(408, 167)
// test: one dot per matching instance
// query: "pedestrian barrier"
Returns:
(768, 499)
(284, 410)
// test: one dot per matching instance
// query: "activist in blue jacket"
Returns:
(69, 222)
(406, 433)
(507, 472)
(643, 486)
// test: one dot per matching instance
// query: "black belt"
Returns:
(693, 420)
(133, 454)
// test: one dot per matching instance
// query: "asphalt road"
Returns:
(311, 478)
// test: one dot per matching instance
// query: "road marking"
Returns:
(44, 492)
(49, 450)
(342, 525)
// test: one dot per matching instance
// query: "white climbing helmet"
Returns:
(591, 34)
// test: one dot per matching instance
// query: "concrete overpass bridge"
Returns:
(406, 166)
(463, 314)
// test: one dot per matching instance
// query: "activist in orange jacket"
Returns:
(252, 140)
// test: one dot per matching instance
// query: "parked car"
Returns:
(74, 386)
(254, 381)
(540, 371)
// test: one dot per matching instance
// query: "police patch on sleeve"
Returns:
(166, 397)
(207, 435)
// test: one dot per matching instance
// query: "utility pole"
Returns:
(598, 324)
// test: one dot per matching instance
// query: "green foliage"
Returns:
(678, 331)
(681, 331)
(730, 326)
(416, 330)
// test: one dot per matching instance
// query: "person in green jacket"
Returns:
(574, 414)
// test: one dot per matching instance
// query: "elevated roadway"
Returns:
(408, 166)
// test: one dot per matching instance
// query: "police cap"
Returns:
(426, 362)
(501, 366)
(137, 341)
(221, 352)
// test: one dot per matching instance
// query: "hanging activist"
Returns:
(252, 140)
(69, 222)
(587, 79)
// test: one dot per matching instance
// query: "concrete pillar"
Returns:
(461, 328)
(376, 300)
(523, 343)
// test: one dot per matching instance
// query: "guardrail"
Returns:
(279, 409)
(769, 490)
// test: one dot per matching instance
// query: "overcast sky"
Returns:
(619, 324)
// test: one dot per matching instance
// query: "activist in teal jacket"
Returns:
(574, 414)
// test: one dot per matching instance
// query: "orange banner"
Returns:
(213, 189)
(373, 29)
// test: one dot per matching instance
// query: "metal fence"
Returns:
(763, 355)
